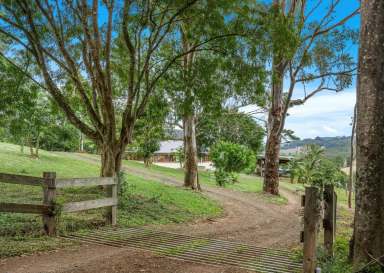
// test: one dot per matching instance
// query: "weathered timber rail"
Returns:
(195, 249)
(50, 184)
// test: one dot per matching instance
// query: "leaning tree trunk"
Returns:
(369, 212)
(275, 123)
(190, 150)
(271, 171)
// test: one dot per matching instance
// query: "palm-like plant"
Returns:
(307, 167)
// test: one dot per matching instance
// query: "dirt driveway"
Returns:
(248, 218)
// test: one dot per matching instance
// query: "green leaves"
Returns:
(231, 126)
(149, 129)
(314, 169)
(284, 33)
(229, 159)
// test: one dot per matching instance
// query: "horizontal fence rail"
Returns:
(25, 208)
(90, 204)
(21, 179)
(50, 184)
(85, 182)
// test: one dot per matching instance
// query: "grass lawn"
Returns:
(143, 202)
(342, 195)
(247, 183)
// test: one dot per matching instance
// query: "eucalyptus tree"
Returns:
(71, 43)
(204, 80)
(368, 243)
(308, 44)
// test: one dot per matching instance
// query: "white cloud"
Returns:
(325, 104)
(326, 114)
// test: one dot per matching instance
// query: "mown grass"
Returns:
(342, 194)
(246, 183)
(143, 202)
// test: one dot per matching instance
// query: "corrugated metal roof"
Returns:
(169, 146)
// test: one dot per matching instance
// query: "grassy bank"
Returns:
(247, 183)
(143, 202)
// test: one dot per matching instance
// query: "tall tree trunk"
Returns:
(112, 152)
(22, 146)
(189, 120)
(31, 150)
(30, 144)
(190, 149)
(81, 144)
(108, 160)
(37, 146)
(369, 212)
(275, 124)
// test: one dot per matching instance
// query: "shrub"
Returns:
(314, 169)
(230, 159)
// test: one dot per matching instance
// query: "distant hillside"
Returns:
(334, 146)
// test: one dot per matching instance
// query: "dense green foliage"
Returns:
(150, 129)
(229, 159)
(313, 168)
(28, 117)
(231, 126)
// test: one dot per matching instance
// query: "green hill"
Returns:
(334, 146)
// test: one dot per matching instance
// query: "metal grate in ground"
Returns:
(195, 249)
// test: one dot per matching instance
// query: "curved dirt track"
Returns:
(248, 218)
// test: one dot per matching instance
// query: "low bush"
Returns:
(229, 159)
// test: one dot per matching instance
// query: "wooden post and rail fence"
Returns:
(312, 204)
(50, 184)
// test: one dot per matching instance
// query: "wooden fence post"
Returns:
(112, 211)
(49, 220)
(312, 215)
(329, 222)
